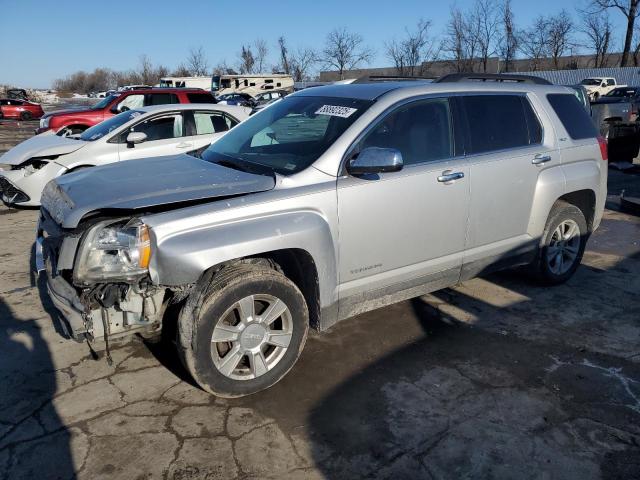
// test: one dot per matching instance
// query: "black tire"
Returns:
(542, 268)
(206, 307)
(26, 116)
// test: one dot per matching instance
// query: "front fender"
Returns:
(182, 257)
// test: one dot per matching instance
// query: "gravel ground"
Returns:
(495, 378)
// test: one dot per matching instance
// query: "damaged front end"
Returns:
(97, 277)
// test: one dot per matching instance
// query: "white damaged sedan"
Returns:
(141, 133)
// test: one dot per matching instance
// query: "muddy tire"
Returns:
(26, 116)
(562, 246)
(242, 330)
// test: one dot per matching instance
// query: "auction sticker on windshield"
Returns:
(336, 111)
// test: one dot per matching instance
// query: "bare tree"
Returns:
(301, 62)
(559, 38)
(411, 54)
(344, 50)
(460, 40)
(261, 54)
(247, 60)
(508, 41)
(197, 62)
(181, 71)
(222, 68)
(485, 19)
(597, 32)
(534, 42)
(629, 8)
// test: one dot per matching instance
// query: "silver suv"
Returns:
(331, 202)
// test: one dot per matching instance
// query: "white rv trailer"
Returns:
(253, 84)
(186, 82)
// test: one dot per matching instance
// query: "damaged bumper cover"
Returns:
(106, 310)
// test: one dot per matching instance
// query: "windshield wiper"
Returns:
(244, 166)
(233, 164)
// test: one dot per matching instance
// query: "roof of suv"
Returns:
(372, 91)
(163, 90)
(191, 106)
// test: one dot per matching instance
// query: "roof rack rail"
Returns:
(496, 77)
(389, 78)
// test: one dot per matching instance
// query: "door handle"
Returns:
(183, 145)
(449, 176)
(541, 158)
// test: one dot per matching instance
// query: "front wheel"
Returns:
(26, 116)
(244, 332)
(563, 243)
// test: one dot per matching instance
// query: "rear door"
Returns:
(165, 136)
(507, 150)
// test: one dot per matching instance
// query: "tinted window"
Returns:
(162, 99)
(420, 130)
(200, 98)
(495, 122)
(572, 115)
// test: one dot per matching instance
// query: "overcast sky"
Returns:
(44, 40)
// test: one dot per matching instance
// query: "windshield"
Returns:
(590, 81)
(621, 92)
(289, 136)
(104, 128)
(104, 102)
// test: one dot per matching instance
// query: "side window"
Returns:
(200, 98)
(420, 130)
(212, 122)
(573, 116)
(161, 99)
(610, 82)
(130, 102)
(162, 127)
(495, 122)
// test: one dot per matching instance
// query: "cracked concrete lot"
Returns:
(495, 378)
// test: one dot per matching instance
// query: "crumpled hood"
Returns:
(143, 184)
(40, 146)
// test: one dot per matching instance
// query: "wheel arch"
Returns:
(585, 200)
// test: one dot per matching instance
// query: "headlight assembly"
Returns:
(111, 251)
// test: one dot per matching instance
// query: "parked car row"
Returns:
(290, 220)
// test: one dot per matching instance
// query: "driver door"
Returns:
(404, 231)
(165, 136)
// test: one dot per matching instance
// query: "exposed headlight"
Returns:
(114, 251)
(33, 165)
(44, 122)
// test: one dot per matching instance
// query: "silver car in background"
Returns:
(331, 202)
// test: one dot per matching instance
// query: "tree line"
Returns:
(471, 38)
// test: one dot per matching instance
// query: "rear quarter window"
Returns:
(200, 98)
(573, 116)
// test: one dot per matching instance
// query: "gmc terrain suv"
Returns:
(71, 122)
(331, 202)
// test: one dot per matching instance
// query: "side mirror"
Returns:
(136, 137)
(375, 160)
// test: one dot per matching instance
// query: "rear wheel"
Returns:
(563, 243)
(26, 116)
(244, 332)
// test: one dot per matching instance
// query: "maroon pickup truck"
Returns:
(76, 121)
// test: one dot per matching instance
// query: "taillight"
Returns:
(603, 147)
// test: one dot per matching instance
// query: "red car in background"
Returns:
(70, 122)
(21, 109)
